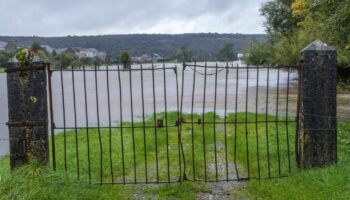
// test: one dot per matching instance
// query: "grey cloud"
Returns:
(90, 17)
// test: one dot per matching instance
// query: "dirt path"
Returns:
(220, 190)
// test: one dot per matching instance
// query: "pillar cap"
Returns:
(318, 45)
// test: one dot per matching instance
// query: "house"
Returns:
(93, 50)
(145, 58)
(2, 45)
(60, 50)
(79, 52)
(98, 54)
(11, 47)
(47, 47)
(101, 55)
(86, 53)
(135, 58)
(156, 57)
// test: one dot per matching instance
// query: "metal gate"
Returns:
(163, 123)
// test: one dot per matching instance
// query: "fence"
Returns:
(169, 123)
(173, 123)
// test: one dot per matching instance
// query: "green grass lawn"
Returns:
(132, 155)
(2, 69)
(33, 182)
(331, 182)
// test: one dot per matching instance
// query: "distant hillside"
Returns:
(138, 44)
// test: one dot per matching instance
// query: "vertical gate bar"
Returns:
(64, 123)
(297, 116)
(246, 122)
(87, 124)
(144, 123)
(277, 136)
(193, 91)
(155, 123)
(225, 121)
(266, 123)
(98, 126)
(75, 123)
(203, 122)
(181, 118)
(52, 123)
(109, 123)
(132, 125)
(178, 121)
(121, 122)
(236, 105)
(166, 123)
(287, 119)
(214, 125)
(256, 120)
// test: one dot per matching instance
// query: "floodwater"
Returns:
(253, 86)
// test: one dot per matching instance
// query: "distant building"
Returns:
(11, 47)
(240, 56)
(47, 47)
(101, 55)
(2, 45)
(145, 58)
(85, 53)
(60, 50)
(135, 58)
(156, 57)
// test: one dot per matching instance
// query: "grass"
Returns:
(331, 182)
(29, 182)
(2, 69)
(114, 161)
(343, 86)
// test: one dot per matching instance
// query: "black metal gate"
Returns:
(163, 123)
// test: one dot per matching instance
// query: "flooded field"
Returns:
(251, 88)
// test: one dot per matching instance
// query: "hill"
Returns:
(138, 44)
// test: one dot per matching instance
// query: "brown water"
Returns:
(256, 95)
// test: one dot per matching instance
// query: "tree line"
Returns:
(65, 60)
(293, 24)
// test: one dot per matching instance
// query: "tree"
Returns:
(4, 58)
(260, 53)
(125, 59)
(43, 56)
(65, 60)
(293, 24)
(183, 55)
(35, 47)
(54, 53)
(279, 17)
(227, 53)
(87, 61)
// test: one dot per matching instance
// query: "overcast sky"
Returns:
(99, 17)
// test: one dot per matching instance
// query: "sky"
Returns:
(101, 17)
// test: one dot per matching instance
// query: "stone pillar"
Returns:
(28, 113)
(317, 124)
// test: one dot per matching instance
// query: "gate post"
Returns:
(28, 113)
(317, 124)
